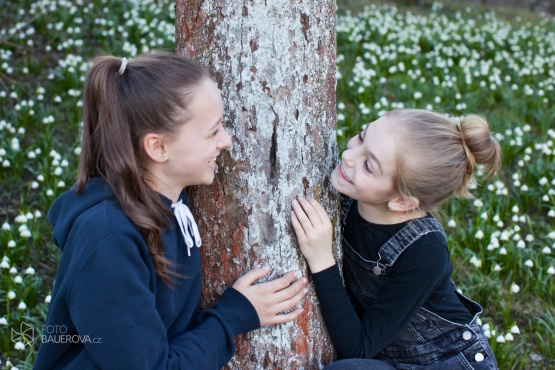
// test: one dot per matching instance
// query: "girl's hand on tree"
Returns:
(314, 232)
(273, 299)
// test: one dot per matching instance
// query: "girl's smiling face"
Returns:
(369, 165)
(188, 156)
(193, 151)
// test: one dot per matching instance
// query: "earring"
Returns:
(388, 209)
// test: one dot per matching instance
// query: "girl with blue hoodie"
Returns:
(127, 291)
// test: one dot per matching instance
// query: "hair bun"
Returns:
(479, 140)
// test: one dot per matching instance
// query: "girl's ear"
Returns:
(155, 147)
(404, 204)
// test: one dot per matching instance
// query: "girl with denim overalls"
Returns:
(397, 307)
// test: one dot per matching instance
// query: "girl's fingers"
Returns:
(319, 209)
(302, 217)
(309, 210)
(297, 226)
(295, 290)
(281, 283)
(250, 277)
(284, 317)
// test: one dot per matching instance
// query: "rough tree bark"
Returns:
(274, 61)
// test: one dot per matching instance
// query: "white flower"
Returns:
(509, 337)
(13, 271)
(475, 261)
(500, 339)
(515, 288)
(30, 271)
(551, 270)
(546, 250)
(451, 223)
(25, 233)
(3, 321)
(18, 280)
(496, 268)
(515, 209)
(22, 306)
(521, 244)
(47, 299)
(6, 226)
(479, 234)
(515, 330)
(502, 251)
(478, 203)
(529, 263)
(21, 219)
(19, 346)
(11, 294)
(551, 213)
(529, 238)
(11, 244)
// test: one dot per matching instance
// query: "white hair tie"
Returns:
(123, 66)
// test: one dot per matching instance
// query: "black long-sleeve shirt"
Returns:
(421, 277)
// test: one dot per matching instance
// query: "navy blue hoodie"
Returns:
(110, 310)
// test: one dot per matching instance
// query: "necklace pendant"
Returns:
(377, 270)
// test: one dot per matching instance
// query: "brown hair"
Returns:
(439, 155)
(151, 95)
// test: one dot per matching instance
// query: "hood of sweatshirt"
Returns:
(70, 205)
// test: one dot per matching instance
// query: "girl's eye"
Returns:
(367, 167)
(360, 138)
(215, 133)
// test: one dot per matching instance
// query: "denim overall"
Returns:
(428, 341)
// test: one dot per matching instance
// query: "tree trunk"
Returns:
(274, 61)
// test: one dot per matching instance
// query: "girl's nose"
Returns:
(348, 157)
(225, 140)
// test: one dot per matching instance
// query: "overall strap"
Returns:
(411, 232)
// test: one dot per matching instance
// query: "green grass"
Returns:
(455, 59)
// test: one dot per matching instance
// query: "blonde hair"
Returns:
(439, 156)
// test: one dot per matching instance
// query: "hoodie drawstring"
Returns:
(187, 224)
